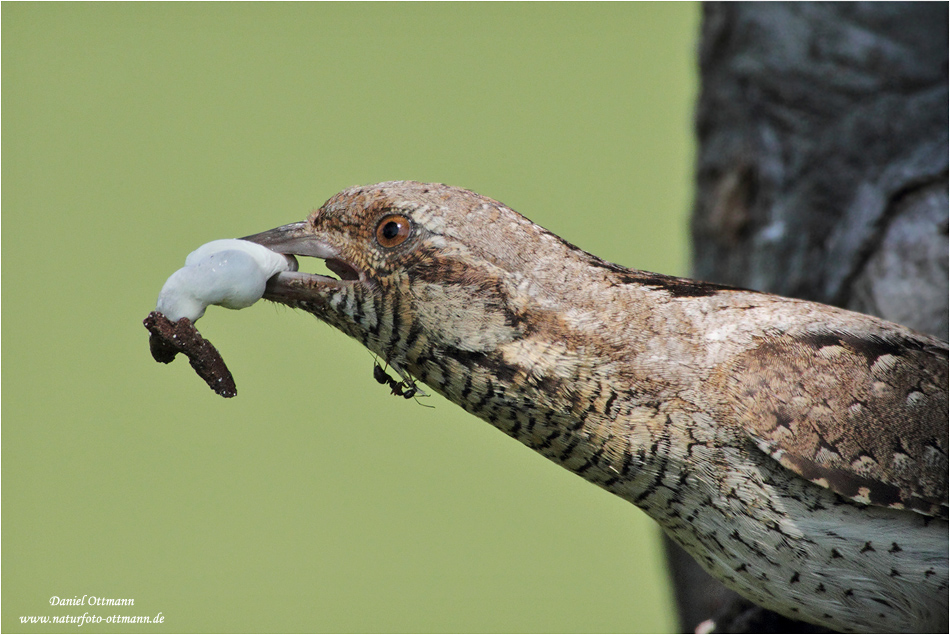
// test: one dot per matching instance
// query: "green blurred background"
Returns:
(314, 501)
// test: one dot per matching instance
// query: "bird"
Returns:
(797, 451)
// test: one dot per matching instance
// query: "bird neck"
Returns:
(564, 394)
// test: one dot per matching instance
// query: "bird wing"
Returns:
(863, 415)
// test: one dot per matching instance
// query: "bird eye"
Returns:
(393, 230)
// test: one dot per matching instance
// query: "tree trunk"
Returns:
(821, 174)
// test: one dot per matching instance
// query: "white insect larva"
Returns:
(229, 272)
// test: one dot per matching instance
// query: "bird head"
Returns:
(424, 269)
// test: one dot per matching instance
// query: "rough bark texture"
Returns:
(821, 174)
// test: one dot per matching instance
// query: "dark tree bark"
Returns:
(821, 174)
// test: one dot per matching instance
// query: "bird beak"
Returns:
(299, 239)
(294, 239)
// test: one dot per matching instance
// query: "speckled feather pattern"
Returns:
(797, 450)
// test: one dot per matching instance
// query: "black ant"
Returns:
(406, 388)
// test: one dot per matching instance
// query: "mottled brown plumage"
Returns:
(798, 451)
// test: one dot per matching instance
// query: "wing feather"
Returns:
(863, 415)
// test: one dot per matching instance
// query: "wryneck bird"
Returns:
(798, 451)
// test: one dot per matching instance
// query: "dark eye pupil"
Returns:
(390, 230)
